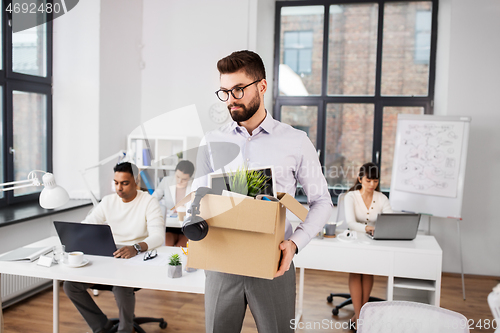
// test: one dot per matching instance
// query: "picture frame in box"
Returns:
(220, 181)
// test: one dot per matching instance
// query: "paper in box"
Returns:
(244, 235)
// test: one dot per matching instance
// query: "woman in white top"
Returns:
(171, 190)
(363, 203)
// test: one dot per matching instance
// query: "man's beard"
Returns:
(246, 112)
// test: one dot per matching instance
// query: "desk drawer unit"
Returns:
(416, 265)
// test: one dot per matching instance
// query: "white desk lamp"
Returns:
(52, 195)
(122, 156)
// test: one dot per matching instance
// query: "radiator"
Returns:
(15, 287)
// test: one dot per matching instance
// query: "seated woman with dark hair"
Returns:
(363, 203)
(170, 190)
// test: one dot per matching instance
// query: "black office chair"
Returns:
(137, 320)
(348, 301)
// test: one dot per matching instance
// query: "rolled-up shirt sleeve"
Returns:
(310, 176)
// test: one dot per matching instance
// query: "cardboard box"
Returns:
(243, 236)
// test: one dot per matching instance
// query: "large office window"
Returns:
(26, 108)
(370, 61)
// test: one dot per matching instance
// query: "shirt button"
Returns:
(248, 159)
(249, 139)
(367, 213)
(367, 220)
(366, 223)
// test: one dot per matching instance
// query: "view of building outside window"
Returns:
(352, 49)
(30, 136)
(352, 62)
(349, 141)
(403, 74)
(304, 118)
(29, 49)
(423, 26)
(298, 51)
(301, 50)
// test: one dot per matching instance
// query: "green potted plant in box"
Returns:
(174, 266)
(247, 182)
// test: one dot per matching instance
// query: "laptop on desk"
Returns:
(92, 239)
(396, 226)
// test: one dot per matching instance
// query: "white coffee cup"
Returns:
(75, 258)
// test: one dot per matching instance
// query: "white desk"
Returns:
(413, 264)
(407, 264)
(108, 270)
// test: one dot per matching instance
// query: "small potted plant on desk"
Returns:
(175, 266)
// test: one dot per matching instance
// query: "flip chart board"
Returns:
(428, 171)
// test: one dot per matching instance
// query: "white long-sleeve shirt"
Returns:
(358, 216)
(288, 150)
(166, 193)
(139, 220)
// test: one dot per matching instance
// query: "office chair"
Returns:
(409, 317)
(137, 320)
(348, 301)
(494, 303)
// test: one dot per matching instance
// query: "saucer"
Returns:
(84, 262)
(344, 238)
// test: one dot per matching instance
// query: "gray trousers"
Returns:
(272, 302)
(95, 318)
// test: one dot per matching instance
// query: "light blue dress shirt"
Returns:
(293, 157)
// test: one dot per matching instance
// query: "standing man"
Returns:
(136, 221)
(263, 141)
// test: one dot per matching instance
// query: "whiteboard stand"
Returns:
(461, 257)
(459, 249)
(428, 176)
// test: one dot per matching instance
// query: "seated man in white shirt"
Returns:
(136, 221)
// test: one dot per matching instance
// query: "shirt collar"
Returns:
(267, 124)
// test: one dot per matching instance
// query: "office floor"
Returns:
(185, 312)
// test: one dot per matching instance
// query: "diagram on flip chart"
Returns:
(428, 161)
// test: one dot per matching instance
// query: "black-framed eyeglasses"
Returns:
(150, 255)
(237, 92)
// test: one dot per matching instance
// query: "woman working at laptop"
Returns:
(363, 202)
(170, 190)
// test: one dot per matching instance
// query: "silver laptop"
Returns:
(396, 226)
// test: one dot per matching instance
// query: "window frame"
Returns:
(10, 81)
(378, 100)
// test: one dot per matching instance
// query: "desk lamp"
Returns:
(52, 196)
(122, 155)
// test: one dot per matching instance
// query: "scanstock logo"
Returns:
(26, 14)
